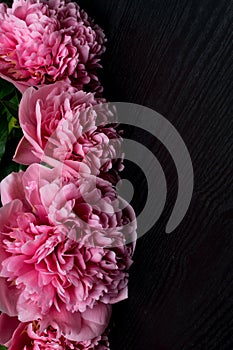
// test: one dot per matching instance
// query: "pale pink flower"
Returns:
(61, 123)
(27, 336)
(64, 282)
(45, 41)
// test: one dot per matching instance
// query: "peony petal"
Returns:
(11, 188)
(8, 326)
(27, 311)
(7, 213)
(95, 321)
(23, 153)
(9, 295)
(20, 338)
(79, 326)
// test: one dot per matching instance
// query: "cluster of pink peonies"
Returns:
(66, 237)
(45, 41)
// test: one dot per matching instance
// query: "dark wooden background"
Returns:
(175, 56)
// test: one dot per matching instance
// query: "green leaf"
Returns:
(3, 135)
(6, 88)
(13, 124)
(11, 108)
(15, 100)
(7, 166)
(10, 131)
(2, 347)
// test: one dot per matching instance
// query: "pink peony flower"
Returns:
(43, 282)
(65, 283)
(45, 41)
(61, 123)
(26, 336)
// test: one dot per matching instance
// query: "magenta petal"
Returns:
(20, 339)
(7, 327)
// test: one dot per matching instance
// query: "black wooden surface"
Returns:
(175, 56)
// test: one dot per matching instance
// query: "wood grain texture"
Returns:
(176, 57)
